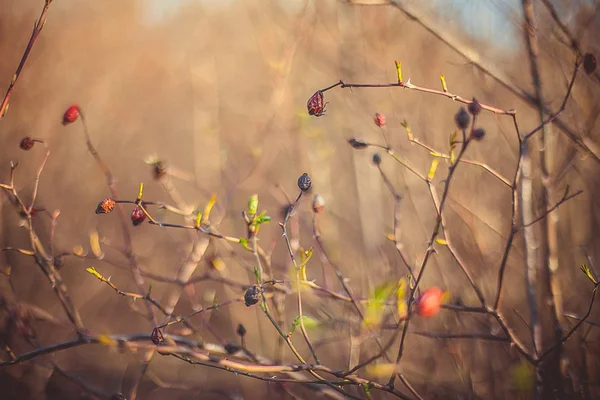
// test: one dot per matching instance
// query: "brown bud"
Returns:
(478, 134)
(462, 119)
(474, 107)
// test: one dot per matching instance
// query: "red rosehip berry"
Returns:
(316, 104)
(157, 336)
(26, 143)
(379, 120)
(71, 115)
(428, 304)
(137, 216)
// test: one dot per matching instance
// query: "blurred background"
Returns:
(217, 90)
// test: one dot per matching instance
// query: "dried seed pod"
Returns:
(462, 119)
(252, 295)
(376, 159)
(71, 115)
(316, 104)
(304, 182)
(478, 134)
(318, 203)
(474, 107)
(379, 120)
(137, 216)
(589, 63)
(157, 336)
(26, 143)
(105, 206)
(241, 330)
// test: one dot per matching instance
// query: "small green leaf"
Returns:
(253, 204)
(586, 270)
(244, 243)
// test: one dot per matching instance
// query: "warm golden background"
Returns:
(218, 90)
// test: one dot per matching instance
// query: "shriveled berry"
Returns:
(462, 119)
(478, 134)
(71, 114)
(474, 107)
(232, 348)
(59, 261)
(358, 144)
(304, 182)
(26, 143)
(316, 104)
(428, 304)
(589, 63)
(137, 216)
(105, 206)
(318, 203)
(252, 295)
(241, 330)
(379, 120)
(376, 159)
(157, 336)
(159, 169)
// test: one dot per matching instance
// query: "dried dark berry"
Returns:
(474, 107)
(358, 144)
(376, 159)
(304, 182)
(159, 169)
(232, 348)
(241, 330)
(478, 134)
(105, 206)
(316, 104)
(157, 336)
(318, 203)
(462, 119)
(589, 63)
(252, 295)
(71, 115)
(59, 261)
(137, 216)
(26, 143)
